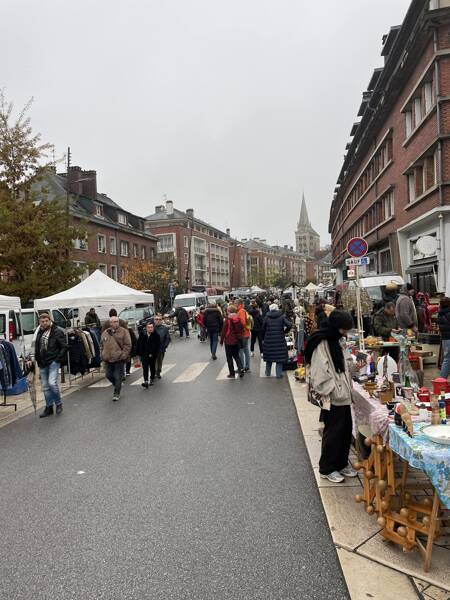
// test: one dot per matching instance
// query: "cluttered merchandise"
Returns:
(402, 433)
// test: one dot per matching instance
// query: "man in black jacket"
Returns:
(51, 348)
(182, 320)
(164, 336)
(148, 348)
(213, 319)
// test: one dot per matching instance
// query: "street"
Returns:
(196, 488)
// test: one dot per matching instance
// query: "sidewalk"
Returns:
(23, 401)
(373, 568)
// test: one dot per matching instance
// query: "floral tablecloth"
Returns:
(421, 453)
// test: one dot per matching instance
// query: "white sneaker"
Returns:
(349, 471)
(334, 477)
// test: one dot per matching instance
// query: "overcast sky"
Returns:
(230, 107)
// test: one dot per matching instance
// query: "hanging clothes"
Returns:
(79, 362)
(12, 380)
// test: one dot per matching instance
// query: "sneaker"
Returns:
(145, 384)
(158, 377)
(349, 471)
(247, 369)
(214, 357)
(59, 409)
(48, 410)
(115, 398)
(151, 382)
(241, 373)
(231, 375)
(334, 477)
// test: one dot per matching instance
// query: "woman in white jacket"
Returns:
(330, 378)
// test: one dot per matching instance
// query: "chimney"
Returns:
(227, 231)
(159, 208)
(190, 213)
(89, 184)
(169, 208)
(286, 246)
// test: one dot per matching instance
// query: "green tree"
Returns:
(36, 235)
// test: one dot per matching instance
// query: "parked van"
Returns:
(10, 328)
(376, 285)
(29, 320)
(191, 302)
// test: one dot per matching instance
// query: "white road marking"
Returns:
(165, 369)
(99, 384)
(223, 373)
(81, 472)
(191, 373)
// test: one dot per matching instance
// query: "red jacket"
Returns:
(242, 314)
(232, 329)
(200, 319)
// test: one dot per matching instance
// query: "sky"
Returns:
(233, 108)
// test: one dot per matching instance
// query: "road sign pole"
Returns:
(359, 318)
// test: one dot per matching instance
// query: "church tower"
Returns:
(307, 240)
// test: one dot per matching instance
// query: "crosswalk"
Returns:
(193, 372)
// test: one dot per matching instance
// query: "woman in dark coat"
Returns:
(275, 327)
(257, 330)
(148, 348)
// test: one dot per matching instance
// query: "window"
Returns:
(81, 244)
(103, 269)
(408, 121)
(113, 246)
(411, 188)
(388, 206)
(166, 243)
(122, 219)
(186, 260)
(101, 244)
(428, 96)
(143, 252)
(85, 270)
(186, 241)
(123, 273)
(135, 251)
(124, 248)
(113, 272)
(98, 209)
(417, 110)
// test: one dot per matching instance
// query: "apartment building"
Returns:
(393, 188)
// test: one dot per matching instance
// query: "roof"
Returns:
(304, 224)
(181, 216)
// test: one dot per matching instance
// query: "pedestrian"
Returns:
(257, 329)
(321, 315)
(444, 327)
(164, 336)
(405, 309)
(148, 349)
(51, 348)
(115, 346)
(200, 320)
(92, 319)
(133, 351)
(182, 317)
(213, 324)
(231, 336)
(247, 323)
(385, 321)
(275, 327)
(330, 379)
(107, 323)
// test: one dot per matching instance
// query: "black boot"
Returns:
(48, 410)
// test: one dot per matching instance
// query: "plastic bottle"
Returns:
(442, 409)
(423, 413)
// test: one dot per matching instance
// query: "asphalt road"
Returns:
(199, 489)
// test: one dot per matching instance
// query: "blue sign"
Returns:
(357, 247)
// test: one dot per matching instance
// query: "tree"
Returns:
(36, 236)
(154, 276)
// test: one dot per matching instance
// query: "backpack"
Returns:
(248, 321)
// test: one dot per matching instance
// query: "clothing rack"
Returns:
(5, 404)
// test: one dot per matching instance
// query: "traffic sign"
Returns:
(351, 274)
(357, 247)
(357, 262)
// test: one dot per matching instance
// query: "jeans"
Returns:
(114, 373)
(213, 341)
(244, 352)
(278, 368)
(183, 327)
(49, 381)
(256, 335)
(445, 367)
(233, 351)
(149, 361)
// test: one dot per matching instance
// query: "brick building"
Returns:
(115, 237)
(394, 185)
(203, 254)
(267, 263)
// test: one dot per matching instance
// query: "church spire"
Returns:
(304, 219)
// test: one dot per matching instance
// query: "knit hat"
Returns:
(273, 307)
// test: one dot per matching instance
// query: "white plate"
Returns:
(438, 433)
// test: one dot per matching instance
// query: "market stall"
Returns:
(11, 376)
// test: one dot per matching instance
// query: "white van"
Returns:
(191, 302)
(29, 320)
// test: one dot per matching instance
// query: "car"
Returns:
(191, 302)
(137, 317)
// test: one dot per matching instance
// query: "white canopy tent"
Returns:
(10, 303)
(96, 290)
(311, 287)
